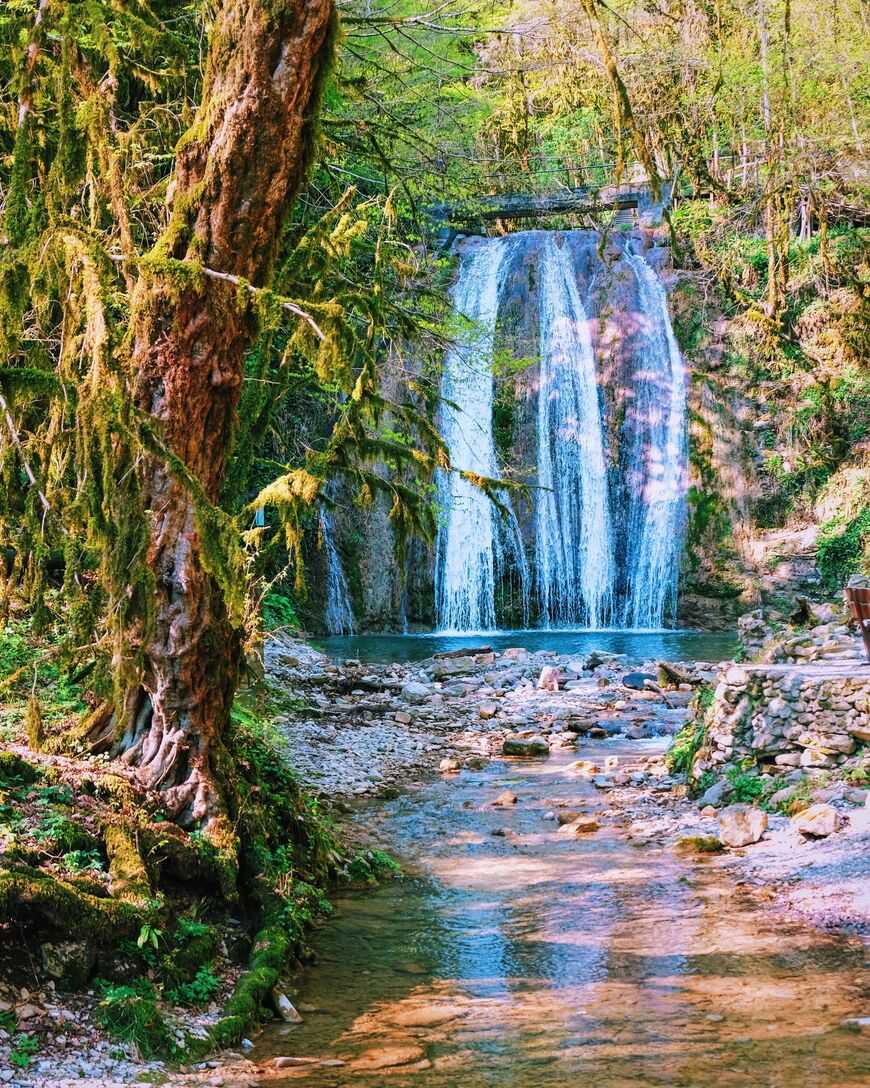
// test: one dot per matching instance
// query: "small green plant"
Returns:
(24, 1049)
(687, 743)
(148, 935)
(8, 1021)
(199, 991)
(77, 861)
(130, 1014)
(279, 612)
(842, 547)
(746, 786)
(62, 833)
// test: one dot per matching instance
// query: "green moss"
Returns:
(128, 875)
(271, 950)
(700, 844)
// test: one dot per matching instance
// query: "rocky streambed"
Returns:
(359, 729)
(566, 911)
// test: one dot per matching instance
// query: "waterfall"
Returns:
(474, 547)
(657, 457)
(338, 614)
(607, 521)
(573, 539)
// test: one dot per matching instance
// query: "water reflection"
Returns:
(533, 959)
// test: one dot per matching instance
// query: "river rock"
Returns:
(515, 745)
(582, 825)
(740, 825)
(549, 678)
(506, 799)
(415, 692)
(402, 717)
(637, 680)
(388, 1056)
(575, 667)
(515, 653)
(449, 765)
(285, 1008)
(716, 794)
(817, 821)
(487, 710)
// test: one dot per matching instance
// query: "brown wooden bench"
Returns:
(858, 601)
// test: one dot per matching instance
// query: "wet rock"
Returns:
(637, 680)
(285, 1008)
(449, 765)
(285, 1062)
(582, 825)
(817, 821)
(388, 1056)
(567, 816)
(741, 825)
(515, 745)
(505, 800)
(428, 1016)
(549, 678)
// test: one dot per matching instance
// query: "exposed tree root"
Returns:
(128, 876)
(33, 896)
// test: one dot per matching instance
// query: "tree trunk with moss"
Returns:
(237, 171)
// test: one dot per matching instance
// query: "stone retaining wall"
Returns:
(787, 715)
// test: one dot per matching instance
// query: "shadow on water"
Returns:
(638, 645)
(531, 960)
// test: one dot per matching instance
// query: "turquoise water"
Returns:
(638, 645)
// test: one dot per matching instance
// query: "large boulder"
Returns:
(817, 821)
(740, 825)
(515, 745)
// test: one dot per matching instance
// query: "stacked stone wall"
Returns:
(788, 716)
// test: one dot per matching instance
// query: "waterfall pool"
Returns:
(673, 645)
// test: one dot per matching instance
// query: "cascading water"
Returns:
(657, 458)
(473, 550)
(338, 614)
(573, 540)
(607, 540)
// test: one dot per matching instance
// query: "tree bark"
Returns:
(237, 171)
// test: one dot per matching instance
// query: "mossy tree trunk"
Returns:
(237, 171)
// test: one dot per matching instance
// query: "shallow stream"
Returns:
(528, 959)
